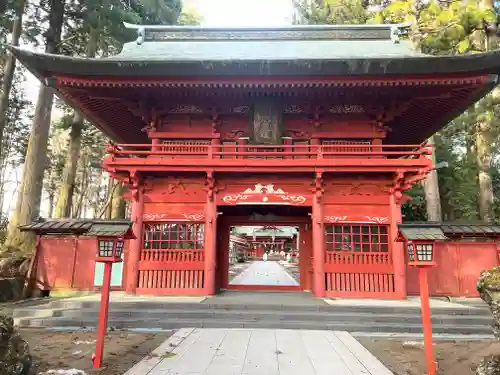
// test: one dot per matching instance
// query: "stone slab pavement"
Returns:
(204, 351)
(264, 273)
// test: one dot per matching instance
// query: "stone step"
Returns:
(232, 314)
(146, 323)
(180, 306)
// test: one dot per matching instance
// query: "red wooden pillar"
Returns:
(318, 238)
(215, 147)
(242, 147)
(210, 236)
(398, 255)
(287, 142)
(135, 245)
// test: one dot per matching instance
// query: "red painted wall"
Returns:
(458, 267)
(66, 263)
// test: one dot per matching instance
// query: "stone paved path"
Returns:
(264, 273)
(259, 352)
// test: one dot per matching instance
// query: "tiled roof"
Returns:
(449, 229)
(422, 232)
(87, 227)
(471, 229)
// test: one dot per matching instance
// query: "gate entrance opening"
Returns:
(264, 247)
(264, 256)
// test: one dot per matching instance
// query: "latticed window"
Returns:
(357, 237)
(173, 236)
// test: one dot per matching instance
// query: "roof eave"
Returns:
(44, 65)
(25, 57)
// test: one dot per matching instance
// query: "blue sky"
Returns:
(240, 13)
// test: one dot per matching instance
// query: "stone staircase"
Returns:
(268, 312)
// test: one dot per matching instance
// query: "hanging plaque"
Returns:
(267, 122)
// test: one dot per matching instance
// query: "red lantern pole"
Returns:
(102, 324)
(426, 321)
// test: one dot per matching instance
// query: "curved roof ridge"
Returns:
(292, 32)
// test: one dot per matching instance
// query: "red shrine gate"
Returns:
(206, 119)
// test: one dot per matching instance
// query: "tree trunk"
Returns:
(431, 191)
(118, 205)
(28, 209)
(110, 194)
(483, 157)
(66, 192)
(65, 196)
(9, 69)
(50, 210)
(483, 138)
(80, 208)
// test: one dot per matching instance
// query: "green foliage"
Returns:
(314, 12)
(441, 28)
(414, 209)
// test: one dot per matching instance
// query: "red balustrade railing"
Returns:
(171, 271)
(169, 255)
(359, 274)
(345, 258)
(315, 152)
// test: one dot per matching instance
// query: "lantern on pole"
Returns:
(110, 238)
(420, 244)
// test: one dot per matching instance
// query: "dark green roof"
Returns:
(295, 50)
(324, 42)
(448, 229)
(416, 232)
(87, 227)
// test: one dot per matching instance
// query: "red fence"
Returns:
(199, 150)
(66, 263)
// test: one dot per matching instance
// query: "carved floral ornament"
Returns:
(358, 219)
(167, 217)
(265, 194)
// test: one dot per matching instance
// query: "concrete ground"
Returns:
(409, 302)
(264, 273)
(259, 352)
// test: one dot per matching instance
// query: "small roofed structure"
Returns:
(447, 231)
(462, 252)
(65, 255)
(416, 232)
(81, 227)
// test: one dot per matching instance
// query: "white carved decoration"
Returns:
(347, 108)
(378, 219)
(336, 219)
(241, 109)
(154, 217)
(159, 217)
(186, 109)
(293, 108)
(265, 191)
(194, 217)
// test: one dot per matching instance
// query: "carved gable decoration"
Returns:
(267, 122)
(265, 194)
